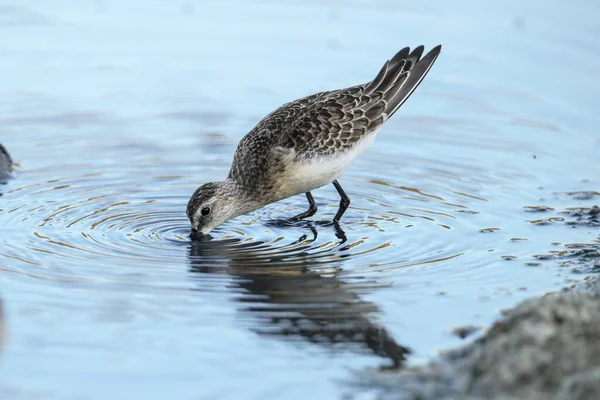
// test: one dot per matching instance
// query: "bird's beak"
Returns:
(195, 234)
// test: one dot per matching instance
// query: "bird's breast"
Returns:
(306, 174)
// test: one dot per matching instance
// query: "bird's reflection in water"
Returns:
(295, 294)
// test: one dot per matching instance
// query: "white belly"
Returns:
(306, 175)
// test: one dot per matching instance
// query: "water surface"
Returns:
(116, 111)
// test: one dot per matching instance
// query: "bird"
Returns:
(308, 143)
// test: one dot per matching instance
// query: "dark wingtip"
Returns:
(437, 49)
(375, 82)
(431, 56)
(416, 53)
(401, 55)
(408, 59)
(417, 73)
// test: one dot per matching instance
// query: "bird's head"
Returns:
(214, 203)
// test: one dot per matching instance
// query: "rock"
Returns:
(581, 386)
(545, 348)
(5, 163)
(540, 349)
(589, 286)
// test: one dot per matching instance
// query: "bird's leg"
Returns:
(344, 202)
(312, 209)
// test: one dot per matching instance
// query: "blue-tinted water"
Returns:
(116, 111)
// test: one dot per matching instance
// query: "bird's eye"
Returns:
(205, 211)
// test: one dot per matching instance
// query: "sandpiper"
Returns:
(308, 143)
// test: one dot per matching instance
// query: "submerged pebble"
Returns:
(538, 208)
(465, 331)
(584, 194)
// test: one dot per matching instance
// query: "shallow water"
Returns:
(116, 111)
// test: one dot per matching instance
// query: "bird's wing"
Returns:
(331, 121)
(327, 122)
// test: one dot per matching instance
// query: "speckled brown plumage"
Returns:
(326, 123)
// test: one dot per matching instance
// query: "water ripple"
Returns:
(122, 225)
